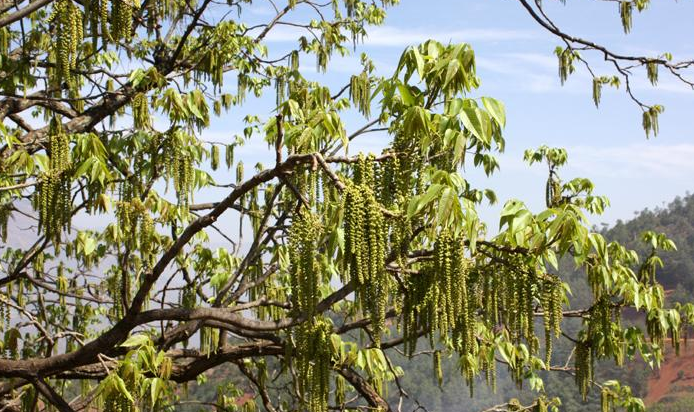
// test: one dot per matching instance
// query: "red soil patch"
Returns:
(676, 375)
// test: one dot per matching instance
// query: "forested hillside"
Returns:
(677, 221)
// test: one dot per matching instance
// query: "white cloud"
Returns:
(534, 73)
(634, 161)
(349, 64)
(539, 60)
(666, 83)
(261, 11)
(389, 36)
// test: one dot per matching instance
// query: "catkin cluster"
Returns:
(312, 338)
(179, 166)
(360, 93)
(515, 301)
(365, 245)
(66, 23)
(140, 108)
(5, 212)
(136, 224)
(314, 361)
(583, 363)
(605, 400)
(54, 197)
(214, 157)
(305, 272)
(209, 340)
(453, 313)
(551, 299)
(121, 19)
(118, 286)
(5, 312)
(436, 300)
(604, 330)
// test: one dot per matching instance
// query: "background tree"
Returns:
(340, 260)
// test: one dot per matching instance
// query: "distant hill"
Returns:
(677, 221)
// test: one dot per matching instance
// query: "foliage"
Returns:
(350, 257)
(676, 405)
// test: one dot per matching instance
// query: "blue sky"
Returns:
(516, 63)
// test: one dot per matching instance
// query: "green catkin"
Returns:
(437, 367)
(209, 340)
(66, 23)
(597, 91)
(365, 245)
(280, 89)
(5, 212)
(239, 173)
(217, 107)
(294, 60)
(625, 12)
(339, 390)
(305, 272)
(121, 20)
(214, 157)
(583, 363)
(551, 301)
(4, 40)
(227, 101)
(103, 19)
(242, 85)
(546, 301)
(360, 93)
(530, 313)
(54, 195)
(556, 193)
(312, 179)
(437, 300)
(179, 166)
(491, 370)
(229, 155)
(140, 109)
(314, 359)
(605, 403)
(652, 72)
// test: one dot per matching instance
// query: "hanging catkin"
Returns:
(66, 23)
(365, 245)
(54, 196)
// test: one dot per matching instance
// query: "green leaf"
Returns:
(446, 202)
(477, 122)
(193, 107)
(506, 351)
(89, 245)
(136, 341)
(407, 97)
(120, 385)
(420, 202)
(551, 257)
(496, 109)
(451, 71)
(157, 386)
(460, 147)
(420, 62)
